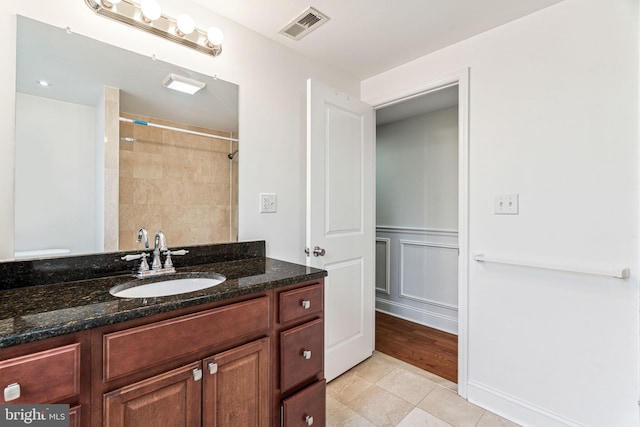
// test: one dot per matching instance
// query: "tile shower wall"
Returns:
(176, 182)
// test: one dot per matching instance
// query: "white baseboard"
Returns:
(433, 320)
(513, 408)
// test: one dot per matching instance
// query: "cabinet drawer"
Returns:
(74, 416)
(301, 302)
(306, 408)
(135, 349)
(44, 377)
(301, 353)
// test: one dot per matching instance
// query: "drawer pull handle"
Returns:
(197, 374)
(11, 392)
(306, 354)
(213, 368)
(306, 304)
(309, 420)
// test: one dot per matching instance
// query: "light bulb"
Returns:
(150, 10)
(215, 36)
(185, 24)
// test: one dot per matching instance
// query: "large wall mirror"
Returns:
(106, 148)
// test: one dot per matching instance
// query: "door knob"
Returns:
(317, 251)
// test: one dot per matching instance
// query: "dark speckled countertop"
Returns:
(32, 313)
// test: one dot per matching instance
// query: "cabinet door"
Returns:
(171, 399)
(236, 387)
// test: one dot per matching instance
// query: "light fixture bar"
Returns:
(129, 12)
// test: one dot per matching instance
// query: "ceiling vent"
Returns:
(308, 21)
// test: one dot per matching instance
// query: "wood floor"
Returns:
(429, 349)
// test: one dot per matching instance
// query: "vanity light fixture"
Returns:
(182, 84)
(147, 16)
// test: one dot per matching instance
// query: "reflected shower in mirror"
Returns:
(104, 147)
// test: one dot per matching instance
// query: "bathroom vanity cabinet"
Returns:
(213, 367)
(299, 332)
(55, 370)
(252, 360)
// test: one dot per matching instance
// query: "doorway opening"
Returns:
(421, 189)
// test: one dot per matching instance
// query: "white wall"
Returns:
(553, 117)
(417, 171)
(57, 211)
(272, 100)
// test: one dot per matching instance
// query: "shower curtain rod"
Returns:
(192, 132)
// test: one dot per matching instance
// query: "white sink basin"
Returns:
(170, 286)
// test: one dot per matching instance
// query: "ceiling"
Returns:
(368, 37)
(78, 68)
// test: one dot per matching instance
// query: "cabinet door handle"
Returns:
(11, 392)
(309, 420)
(213, 368)
(306, 304)
(197, 374)
(306, 354)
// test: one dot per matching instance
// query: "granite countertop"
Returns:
(38, 312)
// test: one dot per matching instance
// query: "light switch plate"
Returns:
(268, 203)
(506, 204)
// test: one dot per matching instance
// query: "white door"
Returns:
(341, 220)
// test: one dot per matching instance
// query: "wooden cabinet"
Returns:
(44, 377)
(256, 360)
(300, 396)
(307, 407)
(207, 368)
(170, 399)
(301, 353)
(49, 371)
(227, 389)
(236, 387)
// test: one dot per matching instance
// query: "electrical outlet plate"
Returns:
(268, 203)
(506, 204)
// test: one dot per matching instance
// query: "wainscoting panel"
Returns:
(417, 275)
(383, 265)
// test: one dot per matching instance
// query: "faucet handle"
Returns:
(144, 266)
(178, 252)
(134, 256)
(167, 262)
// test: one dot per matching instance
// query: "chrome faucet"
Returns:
(160, 244)
(142, 233)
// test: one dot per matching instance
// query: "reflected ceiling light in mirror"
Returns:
(44, 83)
(182, 84)
(148, 16)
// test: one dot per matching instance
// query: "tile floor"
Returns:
(383, 391)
